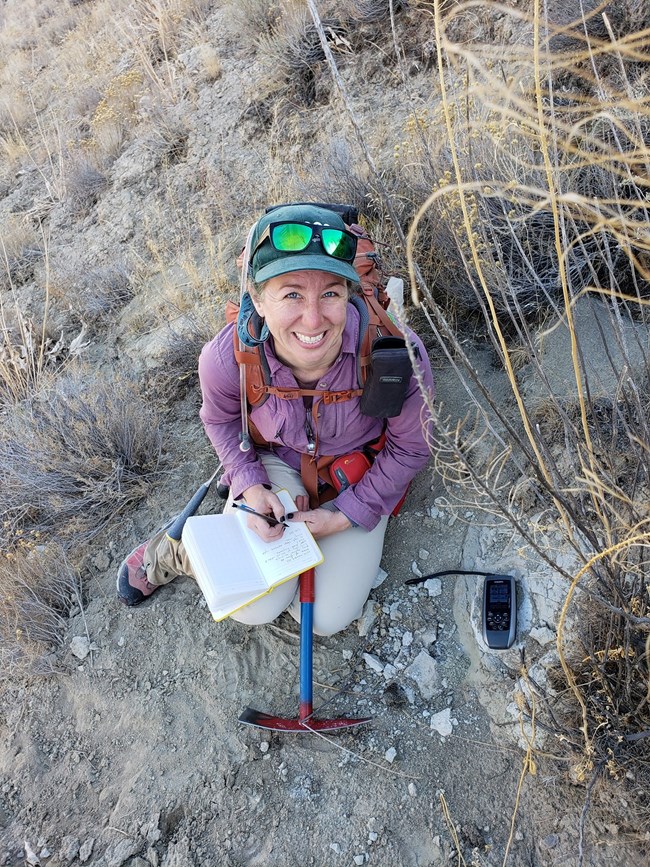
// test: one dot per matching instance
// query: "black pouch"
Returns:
(388, 381)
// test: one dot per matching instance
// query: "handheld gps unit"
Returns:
(499, 611)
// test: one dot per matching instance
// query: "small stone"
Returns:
(69, 849)
(373, 836)
(424, 671)
(336, 848)
(551, 841)
(367, 619)
(359, 860)
(373, 663)
(381, 577)
(121, 641)
(407, 639)
(415, 570)
(412, 790)
(121, 851)
(102, 561)
(80, 646)
(433, 587)
(441, 722)
(347, 654)
(390, 755)
(264, 747)
(86, 849)
(543, 635)
(31, 857)
(423, 554)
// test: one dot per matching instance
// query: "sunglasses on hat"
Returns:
(292, 237)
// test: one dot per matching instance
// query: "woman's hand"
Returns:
(267, 503)
(321, 522)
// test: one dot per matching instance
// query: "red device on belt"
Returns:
(349, 469)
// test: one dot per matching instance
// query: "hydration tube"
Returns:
(245, 441)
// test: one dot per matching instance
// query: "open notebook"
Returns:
(234, 567)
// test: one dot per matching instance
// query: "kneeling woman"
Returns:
(303, 283)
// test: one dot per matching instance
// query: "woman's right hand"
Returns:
(267, 503)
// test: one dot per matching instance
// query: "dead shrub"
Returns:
(38, 587)
(84, 183)
(75, 455)
(293, 60)
(94, 294)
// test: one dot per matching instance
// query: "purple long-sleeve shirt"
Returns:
(341, 426)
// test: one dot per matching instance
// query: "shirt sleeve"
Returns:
(221, 415)
(405, 453)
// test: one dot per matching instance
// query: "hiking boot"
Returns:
(132, 585)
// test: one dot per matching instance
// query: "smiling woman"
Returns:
(306, 312)
(299, 316)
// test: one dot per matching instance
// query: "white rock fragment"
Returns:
(86, 849)
(424, 671)
(30, 856)
(389, 671)
(542, 635)
(407, 639)
(415, 570)
(347, 655)
(373, 663)
(80, 646)
(359, 860)
(264, 747)
(336, 848)
(69, 849)
(423, 554)
(442, 723)
(381, 577)
(367, 619)
(390, 754)
(412, 790)
(433, 587)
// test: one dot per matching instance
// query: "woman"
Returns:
(309, 333)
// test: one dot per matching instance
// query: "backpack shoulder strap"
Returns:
(257, 370)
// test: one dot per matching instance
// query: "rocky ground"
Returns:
(133, 753)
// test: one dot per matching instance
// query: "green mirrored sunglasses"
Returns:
(296, 237)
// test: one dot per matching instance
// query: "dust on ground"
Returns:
(135, 754)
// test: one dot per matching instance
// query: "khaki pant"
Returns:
(343, 581)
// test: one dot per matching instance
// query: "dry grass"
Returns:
(103, 448)
(38, 587)
(532, 184)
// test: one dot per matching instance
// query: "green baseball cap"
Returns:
(267, 262)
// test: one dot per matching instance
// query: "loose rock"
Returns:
(424, 671)
(80, 646)
(441, 722)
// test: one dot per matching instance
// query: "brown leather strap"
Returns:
(312, 471)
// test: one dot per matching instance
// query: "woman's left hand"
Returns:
(322, 522)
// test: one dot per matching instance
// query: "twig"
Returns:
(584, 811)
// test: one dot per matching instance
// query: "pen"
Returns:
(270, 519)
